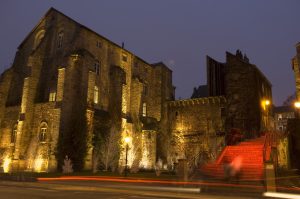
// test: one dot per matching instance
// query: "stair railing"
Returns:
(271, 140)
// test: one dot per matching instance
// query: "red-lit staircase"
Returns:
(252, 154)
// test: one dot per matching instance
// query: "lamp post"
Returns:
(127, 140)
(266, 103)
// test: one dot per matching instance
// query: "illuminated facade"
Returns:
(72, 92)
(70, 87)
(296, 68)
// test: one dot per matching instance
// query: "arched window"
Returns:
(43, 132)
(96, 94)
(144, 113)
(97, 67)
(38, 38)
(14, 132)
(60, 39)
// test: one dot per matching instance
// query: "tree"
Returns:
(110, 149)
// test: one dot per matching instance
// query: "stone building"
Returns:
(247, 91)
(237, 96)
(296, 68)
(281, 116)
(71, 91)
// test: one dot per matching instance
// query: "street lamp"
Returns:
(297, 106)
(127, 140)
(265, 104)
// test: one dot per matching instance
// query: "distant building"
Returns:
(281, 116)
(201, 91)
(215, 77)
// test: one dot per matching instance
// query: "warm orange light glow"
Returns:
(38, 164)
(127, 139)
(297, 104)
(6, 164)
(265, 103)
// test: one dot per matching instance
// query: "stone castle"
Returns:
(72, 92)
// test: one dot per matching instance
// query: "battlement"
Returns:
(197, 101)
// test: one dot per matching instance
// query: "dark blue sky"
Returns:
(179, 32)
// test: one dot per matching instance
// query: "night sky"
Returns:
(178, 32)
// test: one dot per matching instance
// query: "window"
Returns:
(52, 96)
(97, 67)
(98, 44)
(96, 94)
(145, 90)
(43, 132)
(38, 38)
(14, 131)
(144, 110)
(124, 58)
(60, 39)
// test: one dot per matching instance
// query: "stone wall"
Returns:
(196, 126)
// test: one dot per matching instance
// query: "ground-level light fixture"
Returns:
(127, 139)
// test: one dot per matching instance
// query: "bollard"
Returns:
(182, 169)
(270, 177)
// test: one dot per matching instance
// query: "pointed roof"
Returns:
(79, 24)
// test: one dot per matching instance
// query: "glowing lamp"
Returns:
(38, 164)
(297, 105)
(127, 140)
(6, 164)
(267, 102)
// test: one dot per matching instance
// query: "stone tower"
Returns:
(296, 68)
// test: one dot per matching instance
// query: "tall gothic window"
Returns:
(144, 113)
(38, 38)
(97, 67)
(60, 39)
(14, 131)
(96, 94)
(43, 132)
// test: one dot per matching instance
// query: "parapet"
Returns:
(198, 101)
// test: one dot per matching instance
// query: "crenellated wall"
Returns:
(196, 126)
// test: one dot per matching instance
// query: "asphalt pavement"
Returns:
(91, 190)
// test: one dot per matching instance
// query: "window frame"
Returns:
(60, 39)
(43, 131)
(97, 67)
(14, 134)
(144, 109)
(52, 96)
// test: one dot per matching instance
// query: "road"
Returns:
(93, 190)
